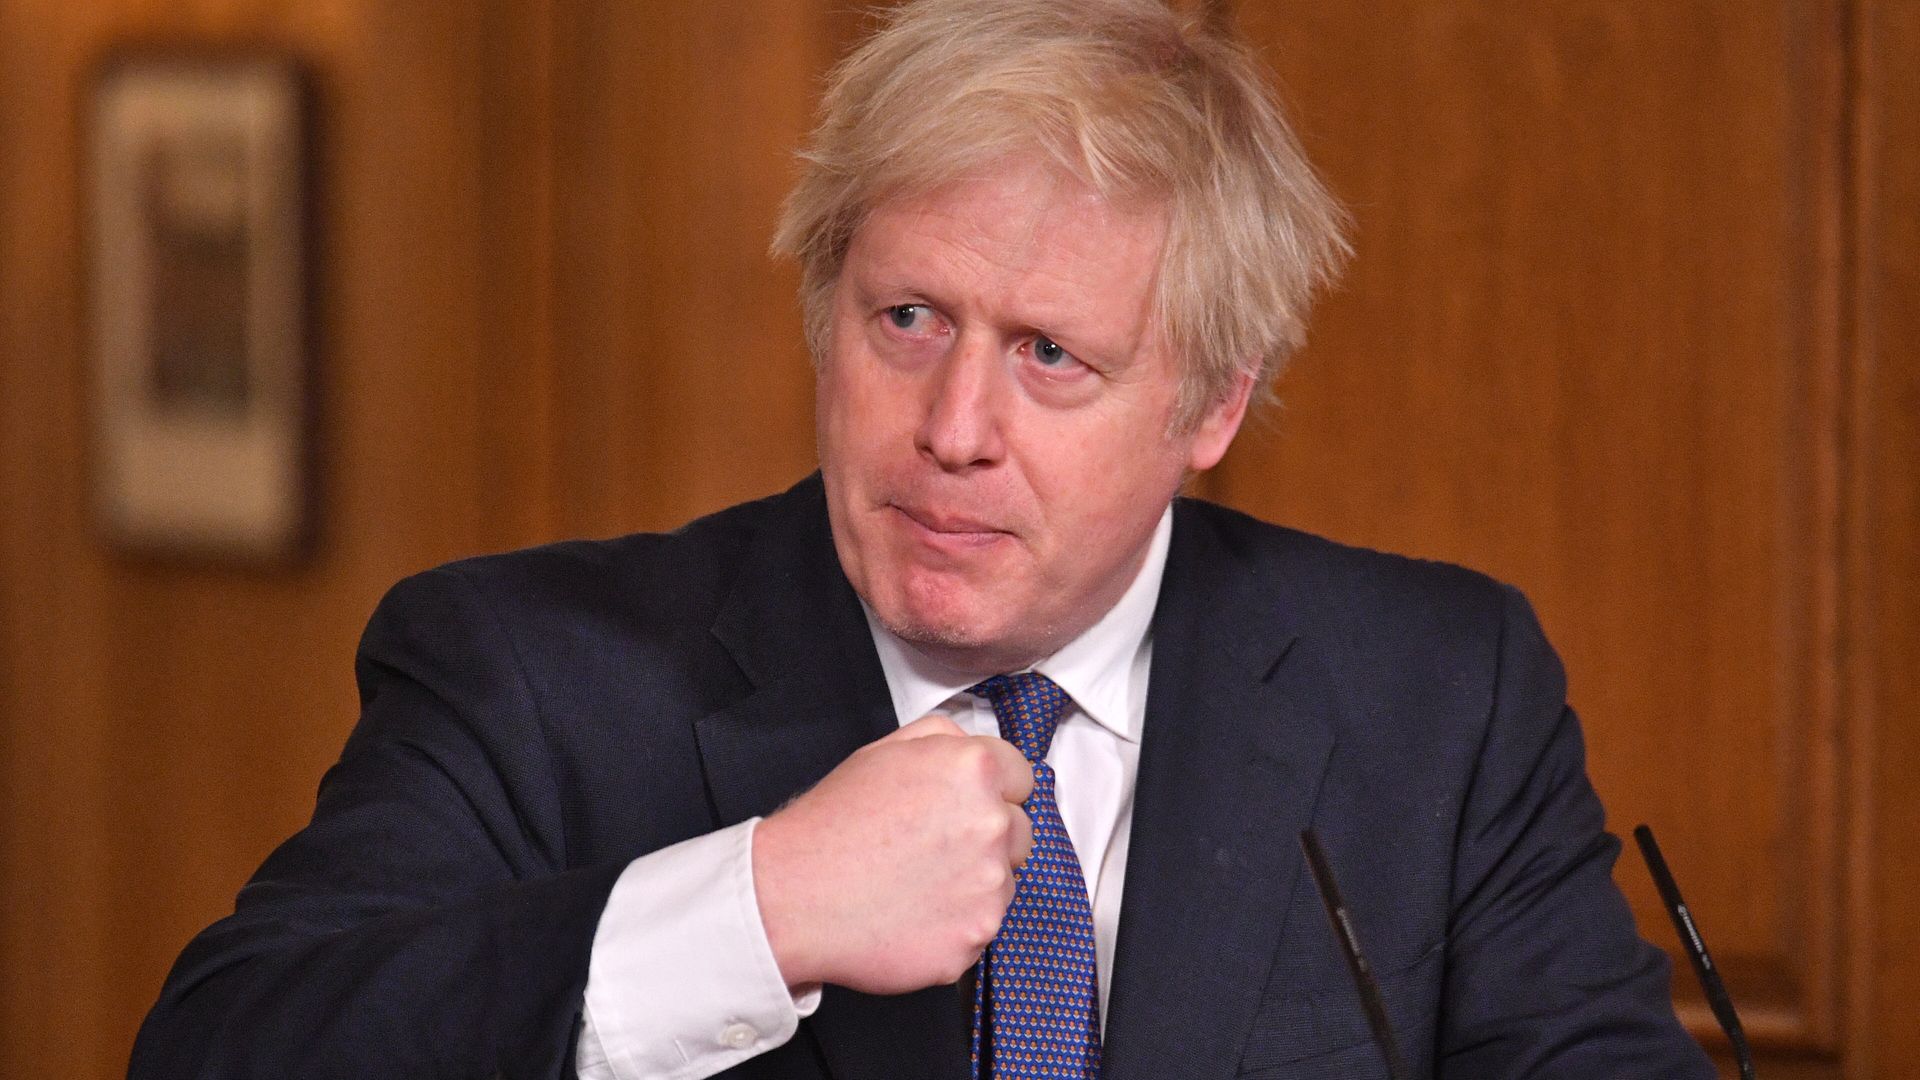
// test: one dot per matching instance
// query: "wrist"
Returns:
(792, 942)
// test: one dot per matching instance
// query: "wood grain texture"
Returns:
(164, 723)
(1885, 499)
(685, 383)
(53, 823)
(516, 264)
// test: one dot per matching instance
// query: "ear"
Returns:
(1219, 424)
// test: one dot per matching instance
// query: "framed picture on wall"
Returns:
(198, 305)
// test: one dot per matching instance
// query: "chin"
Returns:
(968, 641)
(936, 627)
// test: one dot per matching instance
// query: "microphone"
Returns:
(1370, 1000)
(1696, 947)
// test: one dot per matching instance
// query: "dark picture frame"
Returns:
(198, 253)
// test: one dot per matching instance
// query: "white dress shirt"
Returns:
(682, 983)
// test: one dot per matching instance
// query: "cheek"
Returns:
(1101, 491)
(863, 417)
(838, 409)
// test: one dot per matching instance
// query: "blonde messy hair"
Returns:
(1129, 97)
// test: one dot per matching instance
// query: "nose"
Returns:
(961, 430)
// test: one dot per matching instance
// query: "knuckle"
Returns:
(991, 829)
(979, 761)
(995, 880)
(984, 932)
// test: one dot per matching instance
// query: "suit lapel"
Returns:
(1239, 732)
(794, 626)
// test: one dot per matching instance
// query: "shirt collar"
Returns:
(1095, 669)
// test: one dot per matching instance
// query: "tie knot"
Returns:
(1029, 706)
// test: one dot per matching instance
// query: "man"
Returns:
(979, 752)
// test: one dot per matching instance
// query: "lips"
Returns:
(944, 529)
(944, 522)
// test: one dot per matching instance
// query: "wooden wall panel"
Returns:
(1884, 642)
(684, 382)
(164, 722)
(1591, 343)
(516, 267)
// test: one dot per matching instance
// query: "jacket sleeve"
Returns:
(1535, 905)
(426, 923)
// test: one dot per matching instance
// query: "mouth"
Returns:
(948, 531)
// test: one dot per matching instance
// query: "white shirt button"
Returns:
(739, 1036)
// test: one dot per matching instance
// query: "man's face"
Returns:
(995, 413)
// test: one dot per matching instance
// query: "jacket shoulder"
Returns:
(674, 582)
(1361, 589)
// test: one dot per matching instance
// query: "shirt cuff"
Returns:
(682, 983)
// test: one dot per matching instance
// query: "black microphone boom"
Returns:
(1370, 999)
(1696, 948)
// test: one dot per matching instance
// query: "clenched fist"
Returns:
(893, 873)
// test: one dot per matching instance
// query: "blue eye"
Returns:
(906, 316)
(1048, 352)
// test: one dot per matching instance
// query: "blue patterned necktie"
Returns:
(1039, 970)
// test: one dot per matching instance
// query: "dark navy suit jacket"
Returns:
(532, 722)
